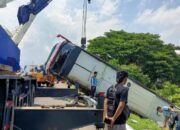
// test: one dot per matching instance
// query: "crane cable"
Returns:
(84, 19)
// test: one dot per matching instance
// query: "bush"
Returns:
(170, 92)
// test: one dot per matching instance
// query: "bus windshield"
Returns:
(60, 57)
(47, 63)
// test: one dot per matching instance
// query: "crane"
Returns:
(84, 18)
(10, 60)
(26, 15)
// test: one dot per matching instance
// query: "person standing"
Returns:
(115, 104)
(93, 84)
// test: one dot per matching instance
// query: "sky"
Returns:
(65, 17)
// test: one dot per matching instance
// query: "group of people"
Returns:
(115, 105)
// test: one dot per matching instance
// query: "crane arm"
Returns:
(22, 29)
(26, 15)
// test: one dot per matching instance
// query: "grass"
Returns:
(138, 123)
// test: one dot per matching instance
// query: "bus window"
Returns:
(63, 52)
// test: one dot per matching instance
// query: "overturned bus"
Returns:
(71, 62)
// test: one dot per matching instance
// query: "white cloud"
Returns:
(96, 28)
(59, 18)
(109, 7)
(165, 21)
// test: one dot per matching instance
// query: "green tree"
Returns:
(171, 92)
(153, 58)
(135, 72)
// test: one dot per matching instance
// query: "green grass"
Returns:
(142, 123)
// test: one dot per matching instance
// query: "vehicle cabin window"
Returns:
(61, 57)
(50, 54)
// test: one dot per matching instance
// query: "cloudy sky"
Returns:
(65, 17)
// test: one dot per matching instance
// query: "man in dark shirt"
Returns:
(115, 103)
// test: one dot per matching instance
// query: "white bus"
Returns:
(71, 62)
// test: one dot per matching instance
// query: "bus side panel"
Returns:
(139, 98)
(80, 75)
(92, 64)
(84, 67)
(82, 72)
(144, 102)
(108, 79)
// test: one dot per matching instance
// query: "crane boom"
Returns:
(10, 60)
(22, 29)
(26, 15)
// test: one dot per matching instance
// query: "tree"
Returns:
(142, 51)
(171, 92)
(134, 71)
